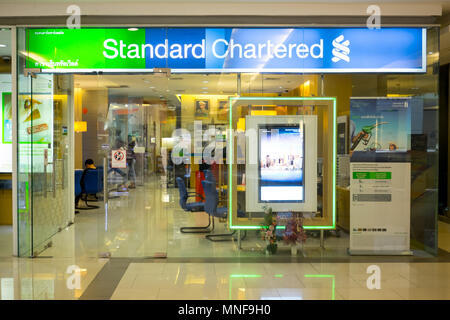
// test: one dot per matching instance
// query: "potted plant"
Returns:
(294, 233)
(269, 230)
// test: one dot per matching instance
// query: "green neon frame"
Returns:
(231, 148)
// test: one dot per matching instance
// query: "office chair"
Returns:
(90, 185)
(211, 202)
(191, 207)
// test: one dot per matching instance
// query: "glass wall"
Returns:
(174, 150)
(43, 153)
(6, 214)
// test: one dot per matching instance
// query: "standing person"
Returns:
(131, 161)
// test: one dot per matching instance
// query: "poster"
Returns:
(35, 122)
(380, 129)
(380, 205)
(5, 123)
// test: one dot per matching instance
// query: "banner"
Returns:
(297, 50)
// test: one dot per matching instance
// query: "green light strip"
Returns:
(230, 165)
(333, 284)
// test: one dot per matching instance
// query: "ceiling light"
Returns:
(133, 29)
(205, 92)
(205, 88)
(152, 87)
(205, 81)
(2, 45)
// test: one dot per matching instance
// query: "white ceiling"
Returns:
(156, 86)
(152, 85)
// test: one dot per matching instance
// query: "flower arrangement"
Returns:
(269, 230)
(294, 232)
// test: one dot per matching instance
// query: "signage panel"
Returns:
(296, 50)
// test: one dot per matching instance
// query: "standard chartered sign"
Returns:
(318, 50)
(268, 49)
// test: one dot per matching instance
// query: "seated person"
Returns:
(88, 165)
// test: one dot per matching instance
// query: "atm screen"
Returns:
(281, 163)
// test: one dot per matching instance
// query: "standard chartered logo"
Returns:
(224, 49)
(340, 49)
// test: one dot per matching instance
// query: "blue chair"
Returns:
(77, 179)
(78, 174)
(212, 209)
(90, 186)
(191, 207)
(92, 180)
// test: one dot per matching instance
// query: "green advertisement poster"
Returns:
(82, 48)
(6, 118)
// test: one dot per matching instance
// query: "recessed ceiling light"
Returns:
(133, 29)
(205, 88)
(2, 45)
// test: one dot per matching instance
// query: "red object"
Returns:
(199, 177)
(85, 110)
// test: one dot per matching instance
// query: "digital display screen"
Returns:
(281, 163)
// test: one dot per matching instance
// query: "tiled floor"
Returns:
(282, 281)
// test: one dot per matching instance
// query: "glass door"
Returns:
(43, 105)
(122, 115)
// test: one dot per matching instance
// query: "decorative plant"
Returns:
(269, 230)
(294, 232)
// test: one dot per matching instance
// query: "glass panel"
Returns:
(6, 216)
(46, 110)
(24, 160)
(123, 118)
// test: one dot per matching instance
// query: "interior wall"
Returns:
(95, 103)
(78, 114)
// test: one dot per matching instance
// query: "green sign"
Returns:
(79, 48)
(372, 175)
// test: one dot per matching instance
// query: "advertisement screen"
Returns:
(281, 163)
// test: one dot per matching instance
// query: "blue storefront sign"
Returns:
(296, 50)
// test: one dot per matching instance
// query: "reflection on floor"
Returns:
(6, 241)
(35, 279)
(444, 236)
(309, 281)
